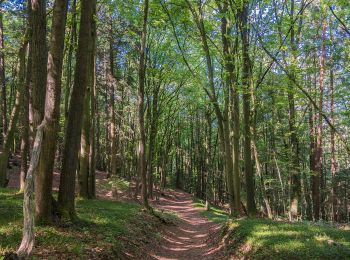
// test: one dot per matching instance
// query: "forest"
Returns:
(174, 129)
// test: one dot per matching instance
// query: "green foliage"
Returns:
(265, 239)
(118, 183)
(214, 214)
(102, 228)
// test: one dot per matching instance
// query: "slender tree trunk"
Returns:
(9, 137)
(94, 112)
(263, 187)
(230, 78)
(66, 193)
(319, 132)
(247, 84)
(141, 98)
(39, 60)
(2, 79)
(43, 180)
(112, 82)
(152, 139)
(227, 156)
(71, 47)
(83, 175)
(295, 180)
(208, 161)
(25, 145)
(28, 237)
(334, 163)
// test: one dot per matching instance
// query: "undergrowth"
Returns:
(267, 239)
(106, 229)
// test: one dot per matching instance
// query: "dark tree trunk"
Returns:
(295, 180)
(247, 84)
(2, 80)
(141, 98)
(43, 180)
(9, 137)
(66, 193)
(25, 143)
(39, 60)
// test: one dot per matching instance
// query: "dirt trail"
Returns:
(191, 238)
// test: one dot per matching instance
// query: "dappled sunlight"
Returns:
(263, 238)
(189, 239)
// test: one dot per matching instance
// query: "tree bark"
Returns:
(295, 180)
(71, 47)
(141, 97)
(247, 86)
(28, 237)
(43, 179)
(25, 145)
(3, 79)
(66, 193)
(39, 62)
(111, 88)
(334, 163)
(94, 112)
(318, 175)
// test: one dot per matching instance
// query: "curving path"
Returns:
(191, 237)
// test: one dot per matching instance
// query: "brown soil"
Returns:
(193, 236)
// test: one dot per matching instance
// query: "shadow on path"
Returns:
(191, 237)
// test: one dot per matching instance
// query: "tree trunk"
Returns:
(247, 85)
(227, 156)
(230, 78)
(28, 237)
(83, 175)
(94, 121)
(152, 138)
(71, 47)
(9, 137)
(318, 177)
(66, 193)
(141, 97)
(43, 180)
(3, 80)
(25, 144)
(111, 88)
(295, 180)
(334, 163)
(39, 62)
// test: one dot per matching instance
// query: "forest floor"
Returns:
(192, 237)
(116, 227)
(177, 229)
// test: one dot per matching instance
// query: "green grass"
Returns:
(104, 230)
(265, 239)
(214, 214)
